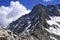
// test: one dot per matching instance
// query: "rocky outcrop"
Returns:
(6, 34)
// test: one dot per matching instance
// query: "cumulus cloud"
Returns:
(11, 13)
(47, 0)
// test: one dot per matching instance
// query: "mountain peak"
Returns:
(37, 9)
(39, 6)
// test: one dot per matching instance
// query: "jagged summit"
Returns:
(38, 7)
(40, 10)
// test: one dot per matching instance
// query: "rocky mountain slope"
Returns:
(6, 34)
(42, 23)
(27, 23)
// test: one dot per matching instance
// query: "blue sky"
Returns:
(30, 3)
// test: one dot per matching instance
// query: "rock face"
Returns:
(54, 9)
(35, 25)
(6, 34)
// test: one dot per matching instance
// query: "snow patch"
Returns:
(54, 25)
(53, 38)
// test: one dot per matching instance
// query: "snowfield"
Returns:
(55, 26)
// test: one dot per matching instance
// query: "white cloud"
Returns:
(14, 11)
(47, 0)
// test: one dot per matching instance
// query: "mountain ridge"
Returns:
(38, 20)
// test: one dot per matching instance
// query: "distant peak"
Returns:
(39, 5)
